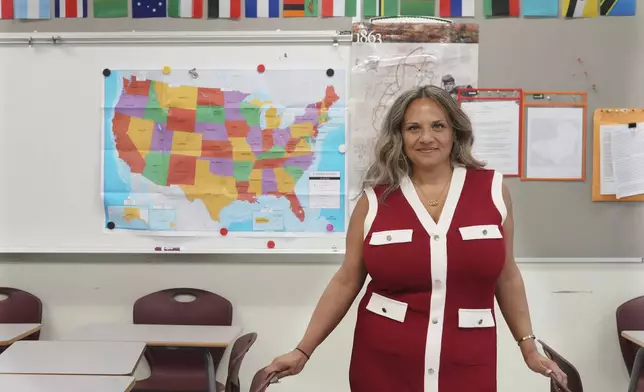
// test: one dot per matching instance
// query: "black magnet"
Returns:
(330, 72)
(107, 72)
(111, 225)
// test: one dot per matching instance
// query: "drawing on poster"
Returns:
(389, 58)
(239, 151)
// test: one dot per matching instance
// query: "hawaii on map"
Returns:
(225, 151)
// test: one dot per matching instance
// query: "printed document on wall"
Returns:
(554, 143)
(627, 150)
(496, 133)
(607, 185)
(230, 151)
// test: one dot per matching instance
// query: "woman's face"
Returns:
(427, 134)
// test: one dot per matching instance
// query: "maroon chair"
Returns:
(574, 379)
(261, 380)
(630, 316)
(180, 369)
(237, 354)
(20, 307)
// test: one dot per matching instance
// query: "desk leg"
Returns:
(210, 370)
(637, 366)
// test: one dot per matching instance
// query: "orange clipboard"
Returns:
(609, 116)
(498, 94)
(555, 99)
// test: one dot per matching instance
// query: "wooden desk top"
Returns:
(10, 333)
(63, 383)
(159, 335)
(81, 358)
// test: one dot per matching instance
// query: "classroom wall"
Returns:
(274, 296)
(572, 305)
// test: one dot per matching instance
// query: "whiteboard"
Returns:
(50, 124)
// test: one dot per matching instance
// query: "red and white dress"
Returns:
(427, 322)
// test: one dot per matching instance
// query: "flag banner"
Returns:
(262, 8)
(501, 7)
(6, 9)
(380, 8)
(32, 9)
(540, 8)
(417, 7)
(339, 8)
(185, 9)
(149, 9)
(580, 8)
(299, 8)
(110, 8)
(457, 8)
(617, 7)
(224, 9)
(70, 8)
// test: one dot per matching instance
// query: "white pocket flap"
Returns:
(475, 318)
(480, 232)
(387, 307)
(390, 237)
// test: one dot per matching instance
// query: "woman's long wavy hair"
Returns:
(392, 164)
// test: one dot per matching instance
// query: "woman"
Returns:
(434, 231)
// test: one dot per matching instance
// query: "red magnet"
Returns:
(329, 227)
(270, 244)
(261, 68)
(223, 231)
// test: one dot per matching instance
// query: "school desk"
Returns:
(70, 357)
(10, 333)
(64, 383)
(636, 337)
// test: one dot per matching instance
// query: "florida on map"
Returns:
(225, 151)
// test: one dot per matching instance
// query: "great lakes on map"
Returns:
(229, 151)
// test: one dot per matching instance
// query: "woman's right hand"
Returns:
(288, 364)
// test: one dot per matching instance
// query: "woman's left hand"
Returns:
(542, 365)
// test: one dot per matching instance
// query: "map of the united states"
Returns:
(219, 146)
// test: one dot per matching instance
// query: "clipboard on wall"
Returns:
(568, 110)
(609, 116)
(500, 101)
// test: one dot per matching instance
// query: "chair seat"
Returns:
(184, 379)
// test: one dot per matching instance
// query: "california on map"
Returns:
(226, 151)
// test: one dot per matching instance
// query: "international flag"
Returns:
(185, 9)
(70, 8)
(417, 7)
(337, 8)
(540, 8)
(110, 8)
(501, 7)
(6, 9)
(617, 7)
(299, 8)
(380, 8)
(32, 9)
(580, 8)
(225, 9)
(456, 8)
(149, 9)
(262, 8)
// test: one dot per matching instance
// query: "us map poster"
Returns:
(389, 58)
(226, 151)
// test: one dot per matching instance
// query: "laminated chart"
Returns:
(225, 151)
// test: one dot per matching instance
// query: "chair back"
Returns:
(237, 354)
(630, 316)
(167, 307)
(20, 306)
(574, 379)
(261, 381)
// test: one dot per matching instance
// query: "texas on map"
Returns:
(219, 146)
